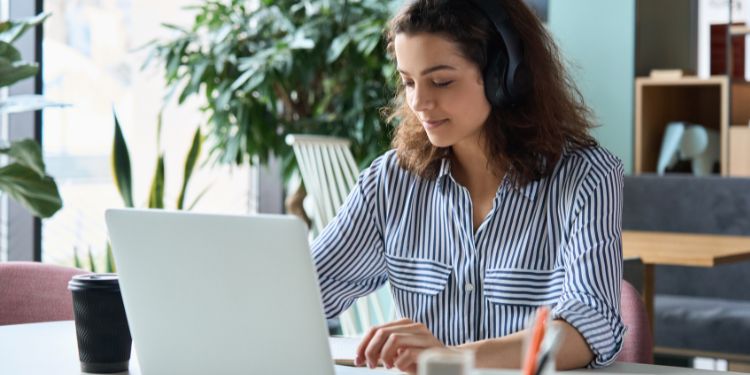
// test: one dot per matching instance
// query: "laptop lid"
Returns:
(219, 294)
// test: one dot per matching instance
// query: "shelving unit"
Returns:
(694, 100)
(738, 134)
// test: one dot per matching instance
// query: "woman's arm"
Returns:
(398, 344)
(507, 352)
(348, 254)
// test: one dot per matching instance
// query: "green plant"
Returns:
(121, 169)
(24, 177)
(279, 67)
(91, 265)
(122, 172)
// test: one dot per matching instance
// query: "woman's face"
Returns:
(443, 89)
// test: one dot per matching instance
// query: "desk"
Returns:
(680, 249)
(50, 348)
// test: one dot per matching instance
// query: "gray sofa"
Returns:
(704, 310)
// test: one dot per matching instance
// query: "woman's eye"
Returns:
(442, 83)
(408, 83)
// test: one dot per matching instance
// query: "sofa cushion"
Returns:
(699, 323)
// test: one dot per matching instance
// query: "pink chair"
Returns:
(638, 344)
(35, 292)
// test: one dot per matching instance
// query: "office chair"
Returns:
(329, 173)
(638, 344)
(35, 292)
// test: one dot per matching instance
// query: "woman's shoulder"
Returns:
(387, 165)
(589, 163)
(387, 169)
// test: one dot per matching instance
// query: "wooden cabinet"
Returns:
(694, 100)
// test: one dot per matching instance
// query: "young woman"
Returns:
(495, 200)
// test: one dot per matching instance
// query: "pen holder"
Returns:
(541, 344)
(445, 362)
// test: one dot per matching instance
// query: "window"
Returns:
(92, 61)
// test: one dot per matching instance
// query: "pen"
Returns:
(537, 334)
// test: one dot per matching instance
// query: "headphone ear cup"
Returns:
(494, 87)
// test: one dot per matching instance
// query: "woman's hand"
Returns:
(395, 344)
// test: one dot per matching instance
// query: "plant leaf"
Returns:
(337, 47)
(12, 30)
(28, 153)
(9, 53)
(76, 259)
(38, 194)
(10, 74)
(110, 260)
(156, 196)
(121, 165)
(91, 260)
(198, 198)
(190, 161)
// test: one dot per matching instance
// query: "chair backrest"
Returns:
(638, 343)
(35, 292)
(328, 171)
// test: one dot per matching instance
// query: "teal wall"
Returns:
(597, 38)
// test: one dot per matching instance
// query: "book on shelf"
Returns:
(667, 73)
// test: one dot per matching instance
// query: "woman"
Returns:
(494, 201)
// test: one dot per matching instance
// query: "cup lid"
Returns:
(107, 281)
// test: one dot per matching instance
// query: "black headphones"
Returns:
(505, 77)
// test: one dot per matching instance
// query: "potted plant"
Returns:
(24, 177)
(281, 67)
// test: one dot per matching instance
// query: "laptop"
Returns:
(218, 294)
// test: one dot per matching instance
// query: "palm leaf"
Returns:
(190, 161)
(110, 259)
(156, 196)
(121, 166)
(77, 259)
(91, 261)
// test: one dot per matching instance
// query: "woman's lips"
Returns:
(432, 124)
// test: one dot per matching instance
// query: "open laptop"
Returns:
(216, 294)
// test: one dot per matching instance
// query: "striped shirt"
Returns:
(555, 242)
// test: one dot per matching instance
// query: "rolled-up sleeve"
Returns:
(348, 254)
(590, 300)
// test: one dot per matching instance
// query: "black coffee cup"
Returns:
(104, 340)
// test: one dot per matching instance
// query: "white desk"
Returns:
(50, 348)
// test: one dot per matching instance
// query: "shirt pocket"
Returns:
(418, 275)
(523, 286)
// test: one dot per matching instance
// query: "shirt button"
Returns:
(469, 287)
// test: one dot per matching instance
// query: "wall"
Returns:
(597, 38)
(667, 35)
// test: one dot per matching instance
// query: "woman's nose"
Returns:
(422, 99)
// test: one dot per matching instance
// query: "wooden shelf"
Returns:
(739, 152)
(691, 99)
(694, 100)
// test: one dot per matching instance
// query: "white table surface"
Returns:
(51, 348)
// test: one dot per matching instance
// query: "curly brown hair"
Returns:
(528, 138)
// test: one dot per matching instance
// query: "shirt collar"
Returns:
(529, 190)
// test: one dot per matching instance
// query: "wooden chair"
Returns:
(329, 173)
